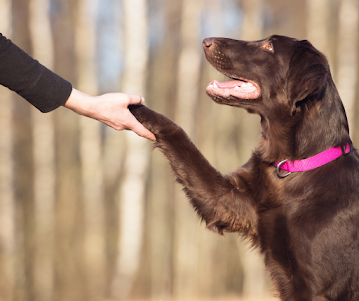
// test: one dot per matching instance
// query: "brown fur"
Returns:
(305, 225)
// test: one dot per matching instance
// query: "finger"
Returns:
(140, 130)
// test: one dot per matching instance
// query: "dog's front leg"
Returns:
(225, 203)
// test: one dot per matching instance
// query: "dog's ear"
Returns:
(307, 75)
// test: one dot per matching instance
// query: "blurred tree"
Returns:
(44, 161)
(347, 71)
(132, 189)
(23, 164)
(7, 194)
(91, 152)
(318, 17)
(219, 263)
(69, 270)
(158, 272)
(285, 18)
(255, 277)
(110, 49)
(252, 26)
(186, 254)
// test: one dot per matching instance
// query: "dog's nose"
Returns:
(207, 43)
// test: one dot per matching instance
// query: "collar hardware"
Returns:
(280, 175)
(343, 150)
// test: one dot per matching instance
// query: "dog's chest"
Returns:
(275, 238)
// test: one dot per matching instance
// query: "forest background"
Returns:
(88, 213)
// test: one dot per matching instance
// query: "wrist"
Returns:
(80, 103)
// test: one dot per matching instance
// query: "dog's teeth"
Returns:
(215, 85)
(237, 88)
(247, 85)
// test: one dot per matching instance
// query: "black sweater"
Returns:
(38, 85)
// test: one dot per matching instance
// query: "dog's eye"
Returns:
(268, 47)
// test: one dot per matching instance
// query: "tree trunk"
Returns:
(252, 28)
(161, 97)
(132, 190)
(254, 285)
(44, 161)
(186, 236)
(90, 152)
(318, 17)
(347, 57)
(23, 169)
(70, 282)
(7, 202)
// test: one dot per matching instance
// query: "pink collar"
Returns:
(312, 162)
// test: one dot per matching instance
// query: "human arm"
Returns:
(47, 91)
(38, 85)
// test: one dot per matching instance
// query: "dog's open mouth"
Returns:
(238, 88)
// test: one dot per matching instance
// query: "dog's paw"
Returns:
(155, 122)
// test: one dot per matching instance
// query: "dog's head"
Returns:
(279, 78)
(277, 68)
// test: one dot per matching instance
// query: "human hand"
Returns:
(111, 109)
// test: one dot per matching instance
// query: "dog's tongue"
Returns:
(237, 88)
(227, 85)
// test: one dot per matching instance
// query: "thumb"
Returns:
(136, 99)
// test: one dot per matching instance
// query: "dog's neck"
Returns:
(303, 134)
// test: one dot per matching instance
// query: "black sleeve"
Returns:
(38, 85)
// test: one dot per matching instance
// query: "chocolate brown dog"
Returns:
(305, 223)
